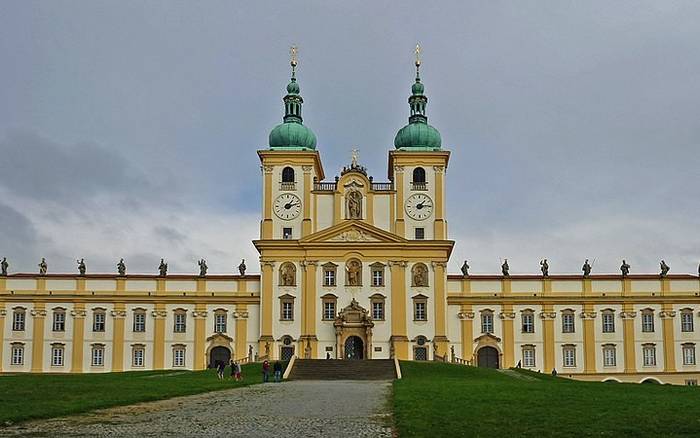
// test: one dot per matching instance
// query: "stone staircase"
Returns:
(332, 369)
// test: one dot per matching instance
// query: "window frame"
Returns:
(569, 356)
(420, 308)
(286, 308)
(486, 321)
(687, 321)
(17, 353)
(330, 274)
(529, 349)
(609, 352)
(99, 326)
(58, 351)
(527, 321)
(568, 321)
(649, 355)
(220, 320)
(329, 301)
(377, 272)
(179, 352)
(58, 323)
(138, 351)
(97, 355)
(180, 326)
(19, 319)
(419, 233)
(648, 321)
(608, 326)
(378, 300)
(688, 354)
(139, 321)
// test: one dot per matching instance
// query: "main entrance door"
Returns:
(219, 355)
(487, 357)
(354, 348)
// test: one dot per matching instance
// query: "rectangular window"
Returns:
(139, 322)
(420, 233)
(648, 322)
(179, 357)
(17, 355)
(287, 311)
(529, 357)
(528, 322)
(57, 356)
(329, 277)
(608, 322)
(377, 277)
(486, 322)
(687, 322)
(98, 322)
(59, 321)
(649, 355)
(18, 319)
(286, 233)
(567, 322)
(419, 312)
(609, 356)
(689, 355)
(220, 322)
(329, 310)
(569, 356)
(137, 359)
(98, 356)
(378, 310)
(180, 323)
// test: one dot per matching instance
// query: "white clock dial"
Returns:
(419, 207)
(287, 206)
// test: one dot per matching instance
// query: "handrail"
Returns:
(397, 367)
(290, 365)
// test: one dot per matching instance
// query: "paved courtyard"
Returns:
(296, 408)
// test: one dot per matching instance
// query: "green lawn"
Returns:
(435, 399)
(32, 396)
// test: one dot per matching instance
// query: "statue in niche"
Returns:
(250, 353)
(587, 268)
(203, 268)
(121, 268)
(242, 268)
(267, 349)
(3, 267)
(505, 269)
(43, 267)
(664, 268)
(465, 269)
(420, 275)
(288, 275)
(544, 267)
(354, 205)
(625, 268)
(81, 267)
(163, 268)
(353, 271)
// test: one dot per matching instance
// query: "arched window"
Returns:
(420, 350)
(487, 321)
(287, 175)
(418, 182)
(528, 320)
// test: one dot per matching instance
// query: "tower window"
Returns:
(286, 233)
(287, 179)
(420, 233)
(418, 182)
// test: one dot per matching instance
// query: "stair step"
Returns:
(334, 369)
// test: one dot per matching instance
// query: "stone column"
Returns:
(589, 346)
(119, 314)
(38, 314)
(507, 316)
(78, 313)
(398, 309)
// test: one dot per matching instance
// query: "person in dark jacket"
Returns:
(278, 371)
(266, 371)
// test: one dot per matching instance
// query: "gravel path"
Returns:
(295, 408)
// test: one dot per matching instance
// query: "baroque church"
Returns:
(353, 268)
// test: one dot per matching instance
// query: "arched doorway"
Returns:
(219, 355)
(487, 357)
(354, 348)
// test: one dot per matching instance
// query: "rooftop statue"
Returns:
(43, 267)
(544, 267)
(242, 268)
(121, 267)
(586, 268)
(163, 268)
(3, 267)
(465, 269)
(203, 268)
(81, 266)
(505, 268)
(625, 268)
(664, 268)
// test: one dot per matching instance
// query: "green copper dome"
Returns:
(418, 135)
(292, 134)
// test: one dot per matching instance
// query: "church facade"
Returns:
(352, 268)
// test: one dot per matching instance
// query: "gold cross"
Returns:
(418, 52)
(293, 54)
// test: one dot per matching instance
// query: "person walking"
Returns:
(239, 377)
(266, 371)
(220, 368)
(278, 371)
(233, 369)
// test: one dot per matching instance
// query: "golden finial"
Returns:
(418, 52)
(293, 55)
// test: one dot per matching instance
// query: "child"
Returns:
(238, 372)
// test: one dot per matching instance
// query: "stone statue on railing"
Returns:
(544, 267)
(586, 268)
(43, 267)
(625, 268)
(242, 267)
(3, 267)
(505, 269)
(121, 268)
(465, 269)
(163, 268)
(81, 267)
(202, 268)
(250, 353)
(664, 268)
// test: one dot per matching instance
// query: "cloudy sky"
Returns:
(129, 128)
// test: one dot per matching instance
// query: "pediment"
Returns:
(487, 338)
(352, 231)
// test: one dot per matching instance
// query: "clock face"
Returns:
(287, 206)
(419, 207)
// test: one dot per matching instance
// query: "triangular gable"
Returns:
(352, 231)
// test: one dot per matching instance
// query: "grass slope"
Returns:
(32, 396)
(436, 399)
